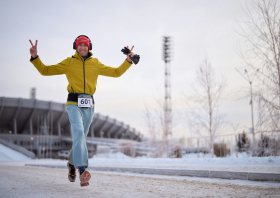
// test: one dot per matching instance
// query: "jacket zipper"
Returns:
(84, 77)
(84, 74)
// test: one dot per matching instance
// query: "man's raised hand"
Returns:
(33, 49)
(130, 55)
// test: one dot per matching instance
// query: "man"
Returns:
(81, 71)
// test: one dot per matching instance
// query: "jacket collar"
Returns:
(78, 56)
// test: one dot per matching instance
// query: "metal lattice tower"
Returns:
(167, 98)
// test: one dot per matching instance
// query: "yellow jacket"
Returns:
(81, 75)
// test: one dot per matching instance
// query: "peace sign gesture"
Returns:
(131, 54)
(33, 49)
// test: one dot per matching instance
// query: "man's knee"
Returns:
(77, 132)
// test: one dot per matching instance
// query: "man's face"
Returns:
(82, 49)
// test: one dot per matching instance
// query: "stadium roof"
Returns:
(30, 116)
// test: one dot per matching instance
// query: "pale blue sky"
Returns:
(199, 29)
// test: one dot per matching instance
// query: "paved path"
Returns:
(252, 176)
(18, 181)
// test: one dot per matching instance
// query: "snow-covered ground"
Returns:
(200, 158)
(42, 182)
(7, 154)
(243, 162)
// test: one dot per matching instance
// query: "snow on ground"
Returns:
(200, 158)
(42, 182)
(50, 183)
(7, 154)
(190, 161)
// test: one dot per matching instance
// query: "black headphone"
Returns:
(90, 44)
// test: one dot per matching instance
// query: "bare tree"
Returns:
(154, 122)
(150, 124)
(203, 105)
(235, 127)
(165, 145)
(261, 30)
(165, 128)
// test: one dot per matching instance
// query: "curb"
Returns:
(252, 176)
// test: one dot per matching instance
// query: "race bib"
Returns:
(84, 101)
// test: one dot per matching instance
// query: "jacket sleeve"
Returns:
(112, 71)
(50, 70)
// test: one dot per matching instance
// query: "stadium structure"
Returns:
(44, 128)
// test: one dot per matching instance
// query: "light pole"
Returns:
(10, 132)
(167, 86)
(31, 143)
(251, 103)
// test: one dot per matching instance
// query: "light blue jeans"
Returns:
(80, 119)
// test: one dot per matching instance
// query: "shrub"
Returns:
(220, 150)
(268, 146)
(243, 143)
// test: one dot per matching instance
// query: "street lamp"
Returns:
(10, 132)
(31, 142)
(43, 151)
(251, 103)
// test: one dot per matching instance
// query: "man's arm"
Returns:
(58, 69)
(50, 70)
(116, 72)
(112, 71)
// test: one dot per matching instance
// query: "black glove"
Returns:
(126, 51)
(135, 59)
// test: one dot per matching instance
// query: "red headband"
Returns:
(82, 39)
